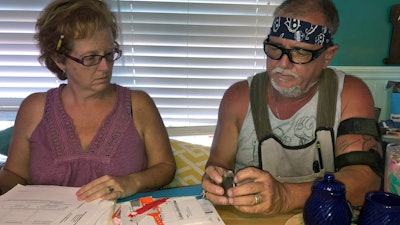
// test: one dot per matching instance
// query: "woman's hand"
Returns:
(105, 187)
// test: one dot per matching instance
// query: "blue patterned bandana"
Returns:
(302, 31)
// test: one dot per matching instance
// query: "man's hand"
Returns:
(211, 184)
(257, 191)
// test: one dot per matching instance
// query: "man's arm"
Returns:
(232, 110)
(357, 102)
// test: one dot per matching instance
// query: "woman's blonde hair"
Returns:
(64, 21)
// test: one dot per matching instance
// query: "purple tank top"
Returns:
(57, 158)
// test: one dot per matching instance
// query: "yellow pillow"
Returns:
(190, 162)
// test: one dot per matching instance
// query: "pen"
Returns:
(321, 164)
(147, 207)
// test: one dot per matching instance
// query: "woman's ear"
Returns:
(59, 60)
(330, 53)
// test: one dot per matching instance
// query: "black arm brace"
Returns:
(370, 158)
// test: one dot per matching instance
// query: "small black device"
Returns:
(227, 181)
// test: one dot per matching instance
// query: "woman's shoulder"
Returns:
(40, 97)
(139, 95)
(34, 100)
(31, 111)
(141, 101)
(133, 92)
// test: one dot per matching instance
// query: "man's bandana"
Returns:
(302, 31)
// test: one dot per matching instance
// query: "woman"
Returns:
(89, 132)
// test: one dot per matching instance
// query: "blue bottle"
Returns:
(327, 203)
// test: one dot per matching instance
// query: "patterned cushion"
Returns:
(190, 162)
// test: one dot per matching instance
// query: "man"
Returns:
(319, 121)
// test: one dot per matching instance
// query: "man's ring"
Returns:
(110, 189)
(257, 198)
(203, 194)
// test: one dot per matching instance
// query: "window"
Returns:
(184, 53)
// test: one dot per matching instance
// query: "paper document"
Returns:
(50, 205)
(175, 211)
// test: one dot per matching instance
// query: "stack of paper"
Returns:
(56, 205)
(51, 205)
(172, 211)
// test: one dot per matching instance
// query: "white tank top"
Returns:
(295, 131)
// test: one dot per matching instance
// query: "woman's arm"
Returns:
(16, 168)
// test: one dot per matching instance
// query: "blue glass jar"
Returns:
(380, 208)
(327, 203)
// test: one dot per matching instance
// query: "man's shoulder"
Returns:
(352, 78)
(356, 94)
(353, 82)
(237, 96)
(239, 88)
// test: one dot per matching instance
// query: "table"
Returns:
(229, 214)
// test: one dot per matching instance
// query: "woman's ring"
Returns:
(110, 189)
(257, 198)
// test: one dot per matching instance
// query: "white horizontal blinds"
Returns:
(20, 72)
(183, 53)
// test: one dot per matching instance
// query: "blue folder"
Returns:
(193, 190)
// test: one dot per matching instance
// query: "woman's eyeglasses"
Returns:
(92, 60)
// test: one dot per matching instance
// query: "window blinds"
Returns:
(184, 53)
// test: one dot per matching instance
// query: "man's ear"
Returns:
(330, 53)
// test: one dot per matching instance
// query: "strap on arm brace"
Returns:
(370, 158)
(359, 126)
